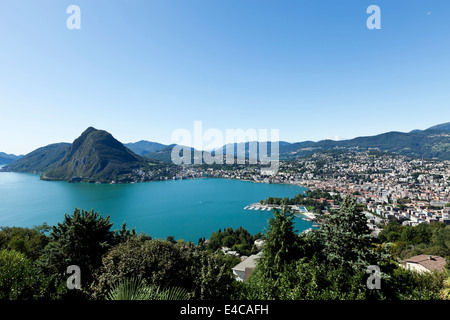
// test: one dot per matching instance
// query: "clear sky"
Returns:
(142, 68)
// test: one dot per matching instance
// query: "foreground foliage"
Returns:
(330, 263)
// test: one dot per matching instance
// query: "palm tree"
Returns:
(137, 289)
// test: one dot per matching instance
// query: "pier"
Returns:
(299, 212)
(258, 206)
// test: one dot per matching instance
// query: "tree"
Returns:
(163, 264)
(171, 239)
(81, 239)
(212, 276)
(281, 248)
(347, 239)
(29, 241)
(124, 234)
(281, 242)
(18, 277)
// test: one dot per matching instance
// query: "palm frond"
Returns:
(174, 293)
(137, 289)
(132, 289)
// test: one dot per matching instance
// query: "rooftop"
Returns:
(250, 262)
(428, 261)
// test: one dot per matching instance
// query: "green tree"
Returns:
(81, 239)
(281, 242)
(281, 248)
(29, 241)
(164, 264)
(346, 238)
(19, 279)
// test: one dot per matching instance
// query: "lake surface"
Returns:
(186, 209)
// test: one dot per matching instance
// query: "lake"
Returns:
(185, 209)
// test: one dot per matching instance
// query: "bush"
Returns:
(165, 264)
(19, 279)
(29, 241)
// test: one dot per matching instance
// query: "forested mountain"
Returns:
(39, 160)
(430, 143)
(95, 155)
(143, 147)
(8, 158)
(165, 154)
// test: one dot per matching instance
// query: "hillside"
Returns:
(143, 147)
(8, 158)
(426, 144)
(433, 142)
(95, 156)
(442, 127)
(39, 160)
(249, 149)
(165, 154)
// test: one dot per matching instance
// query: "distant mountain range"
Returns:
(430, 143)
(433, 142)
(97, 156)
(8, 158)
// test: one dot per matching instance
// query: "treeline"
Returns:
(33, 265)
(407, 241)
(333, 263)
(329, 263)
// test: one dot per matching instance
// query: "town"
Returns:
(387, 185)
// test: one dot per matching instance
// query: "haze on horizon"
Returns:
(142, 69)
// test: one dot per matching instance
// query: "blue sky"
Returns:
(141, 69)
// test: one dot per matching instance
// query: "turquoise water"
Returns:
(186, 209)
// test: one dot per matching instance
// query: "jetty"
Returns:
(258, 206)
(298, 211)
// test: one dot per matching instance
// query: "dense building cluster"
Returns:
(391, 186)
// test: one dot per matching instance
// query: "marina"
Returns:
(299, 211)
(258, 206)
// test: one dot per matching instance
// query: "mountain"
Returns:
(249, 150)
(433, 142)
(8, 158)
(441, 127)
(430, 143)
(39, 160)
(95, 156)
(143, 147)
(165, 154)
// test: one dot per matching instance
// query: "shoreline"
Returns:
(168, 179)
